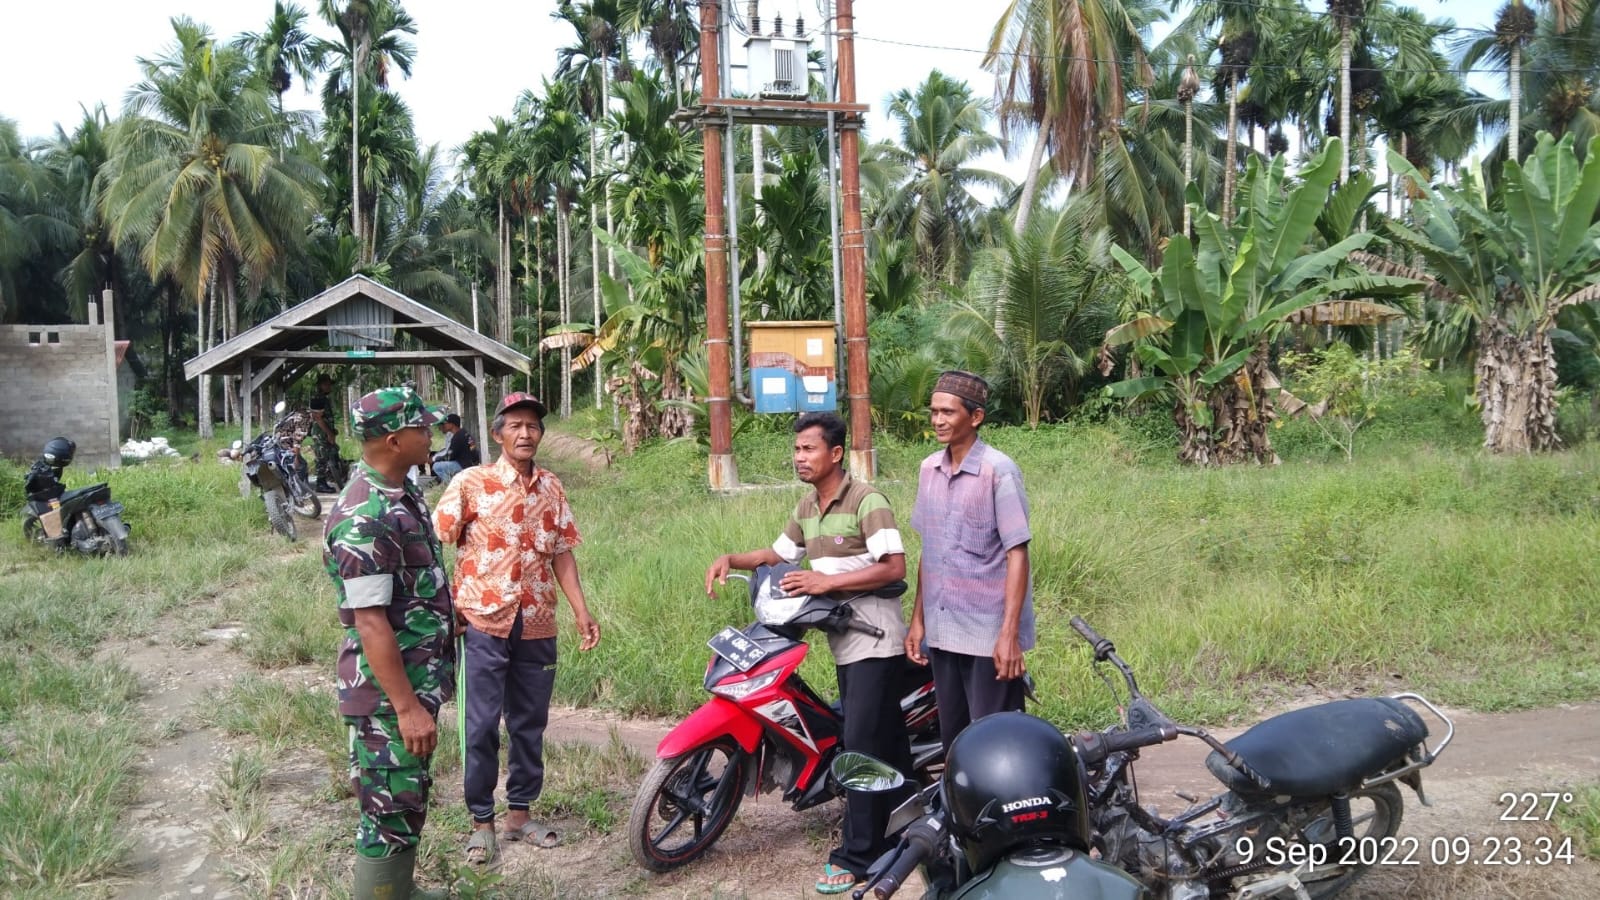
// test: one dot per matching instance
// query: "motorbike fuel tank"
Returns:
(1050, 872)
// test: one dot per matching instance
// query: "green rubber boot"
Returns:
(389, 878)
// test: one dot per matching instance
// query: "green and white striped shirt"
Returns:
(855, 531)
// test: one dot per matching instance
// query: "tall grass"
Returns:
(1419, 566)
(70, 734)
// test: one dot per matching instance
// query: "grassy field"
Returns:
(1423, 565)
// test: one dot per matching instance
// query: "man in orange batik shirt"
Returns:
(514, 532)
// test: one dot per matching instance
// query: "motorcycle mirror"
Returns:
(279, 407)
(238, 444)
(860, 772)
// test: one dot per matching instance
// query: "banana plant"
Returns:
(1209, 313)
(1511, 261)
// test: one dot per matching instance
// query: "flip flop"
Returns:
(481, 843)
(532, 832)
(826, 884)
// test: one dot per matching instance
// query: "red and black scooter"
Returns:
(763, 728)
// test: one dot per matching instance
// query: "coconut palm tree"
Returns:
(32, 217)
(371, 44)
(1054, 289)
(942, 130)
(194, 184)
(77, 160)
(283, 51)
(1059, 72)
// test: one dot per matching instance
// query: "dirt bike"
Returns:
(273, 464)
(1310, 804)
(764, 728)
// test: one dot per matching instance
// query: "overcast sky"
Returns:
(475, 56)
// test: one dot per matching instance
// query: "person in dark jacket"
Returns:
(460, 450)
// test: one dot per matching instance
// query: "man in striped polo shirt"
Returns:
(847, 530)
(974, 588)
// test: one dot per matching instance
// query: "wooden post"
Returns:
(863, 461)
(482, 420)
(723, 472)
(247, 392)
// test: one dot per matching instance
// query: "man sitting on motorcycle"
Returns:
(847, 530)
(460, 450)
(44, 476)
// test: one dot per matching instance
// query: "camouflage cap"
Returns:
(387, 410)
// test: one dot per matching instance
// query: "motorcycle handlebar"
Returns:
(1102, 647)
(920, 840)
(864, 628)
(1094, 747)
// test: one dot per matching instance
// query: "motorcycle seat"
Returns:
(1322, 750)
(89, 491)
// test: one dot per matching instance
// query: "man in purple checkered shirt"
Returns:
(974, 587)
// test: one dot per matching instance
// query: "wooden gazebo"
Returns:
(360, 322)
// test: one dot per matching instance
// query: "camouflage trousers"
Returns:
(390, 784)
(327, 458)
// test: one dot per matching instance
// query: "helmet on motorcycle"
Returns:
(1012, 779)
(58, 452)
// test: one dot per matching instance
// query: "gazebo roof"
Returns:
(359, 310)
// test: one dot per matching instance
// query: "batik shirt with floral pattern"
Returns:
(508, 531)
(374, 529)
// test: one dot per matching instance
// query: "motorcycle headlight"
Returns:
(739, 690)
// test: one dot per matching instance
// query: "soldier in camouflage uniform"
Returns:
(324, 437)
(397, 662)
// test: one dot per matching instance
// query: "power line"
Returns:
(1174, 64)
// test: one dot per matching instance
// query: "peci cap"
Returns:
(520, 398)
(387, 410)
(969, 387)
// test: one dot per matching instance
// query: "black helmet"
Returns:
(1013, 779)
(58, 452)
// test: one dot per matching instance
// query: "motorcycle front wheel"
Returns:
(685, 803)
(278, 513)
(1374, 815)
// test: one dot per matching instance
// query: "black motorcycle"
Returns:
(1310, 804)
(273, 464)
(1311, 801)
(83, 519)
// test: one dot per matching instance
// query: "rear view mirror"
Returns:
(279, 407)
(860, 772)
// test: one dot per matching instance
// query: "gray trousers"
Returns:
(513, 678)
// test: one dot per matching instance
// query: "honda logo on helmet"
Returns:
(1015, 805)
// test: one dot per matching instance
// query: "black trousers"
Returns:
(967, 690)
(869, 691)
(511, 678)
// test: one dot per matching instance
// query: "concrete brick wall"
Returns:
(53, 381)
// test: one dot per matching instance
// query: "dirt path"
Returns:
(773, 852)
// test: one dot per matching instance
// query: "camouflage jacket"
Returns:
(378, 529)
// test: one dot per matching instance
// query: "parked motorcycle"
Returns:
(84, 519)
(273, 464)
(764, 728)
(1310, 805)
(1311, 801)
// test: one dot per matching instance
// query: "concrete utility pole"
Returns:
(723, 472)
(863, 461)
